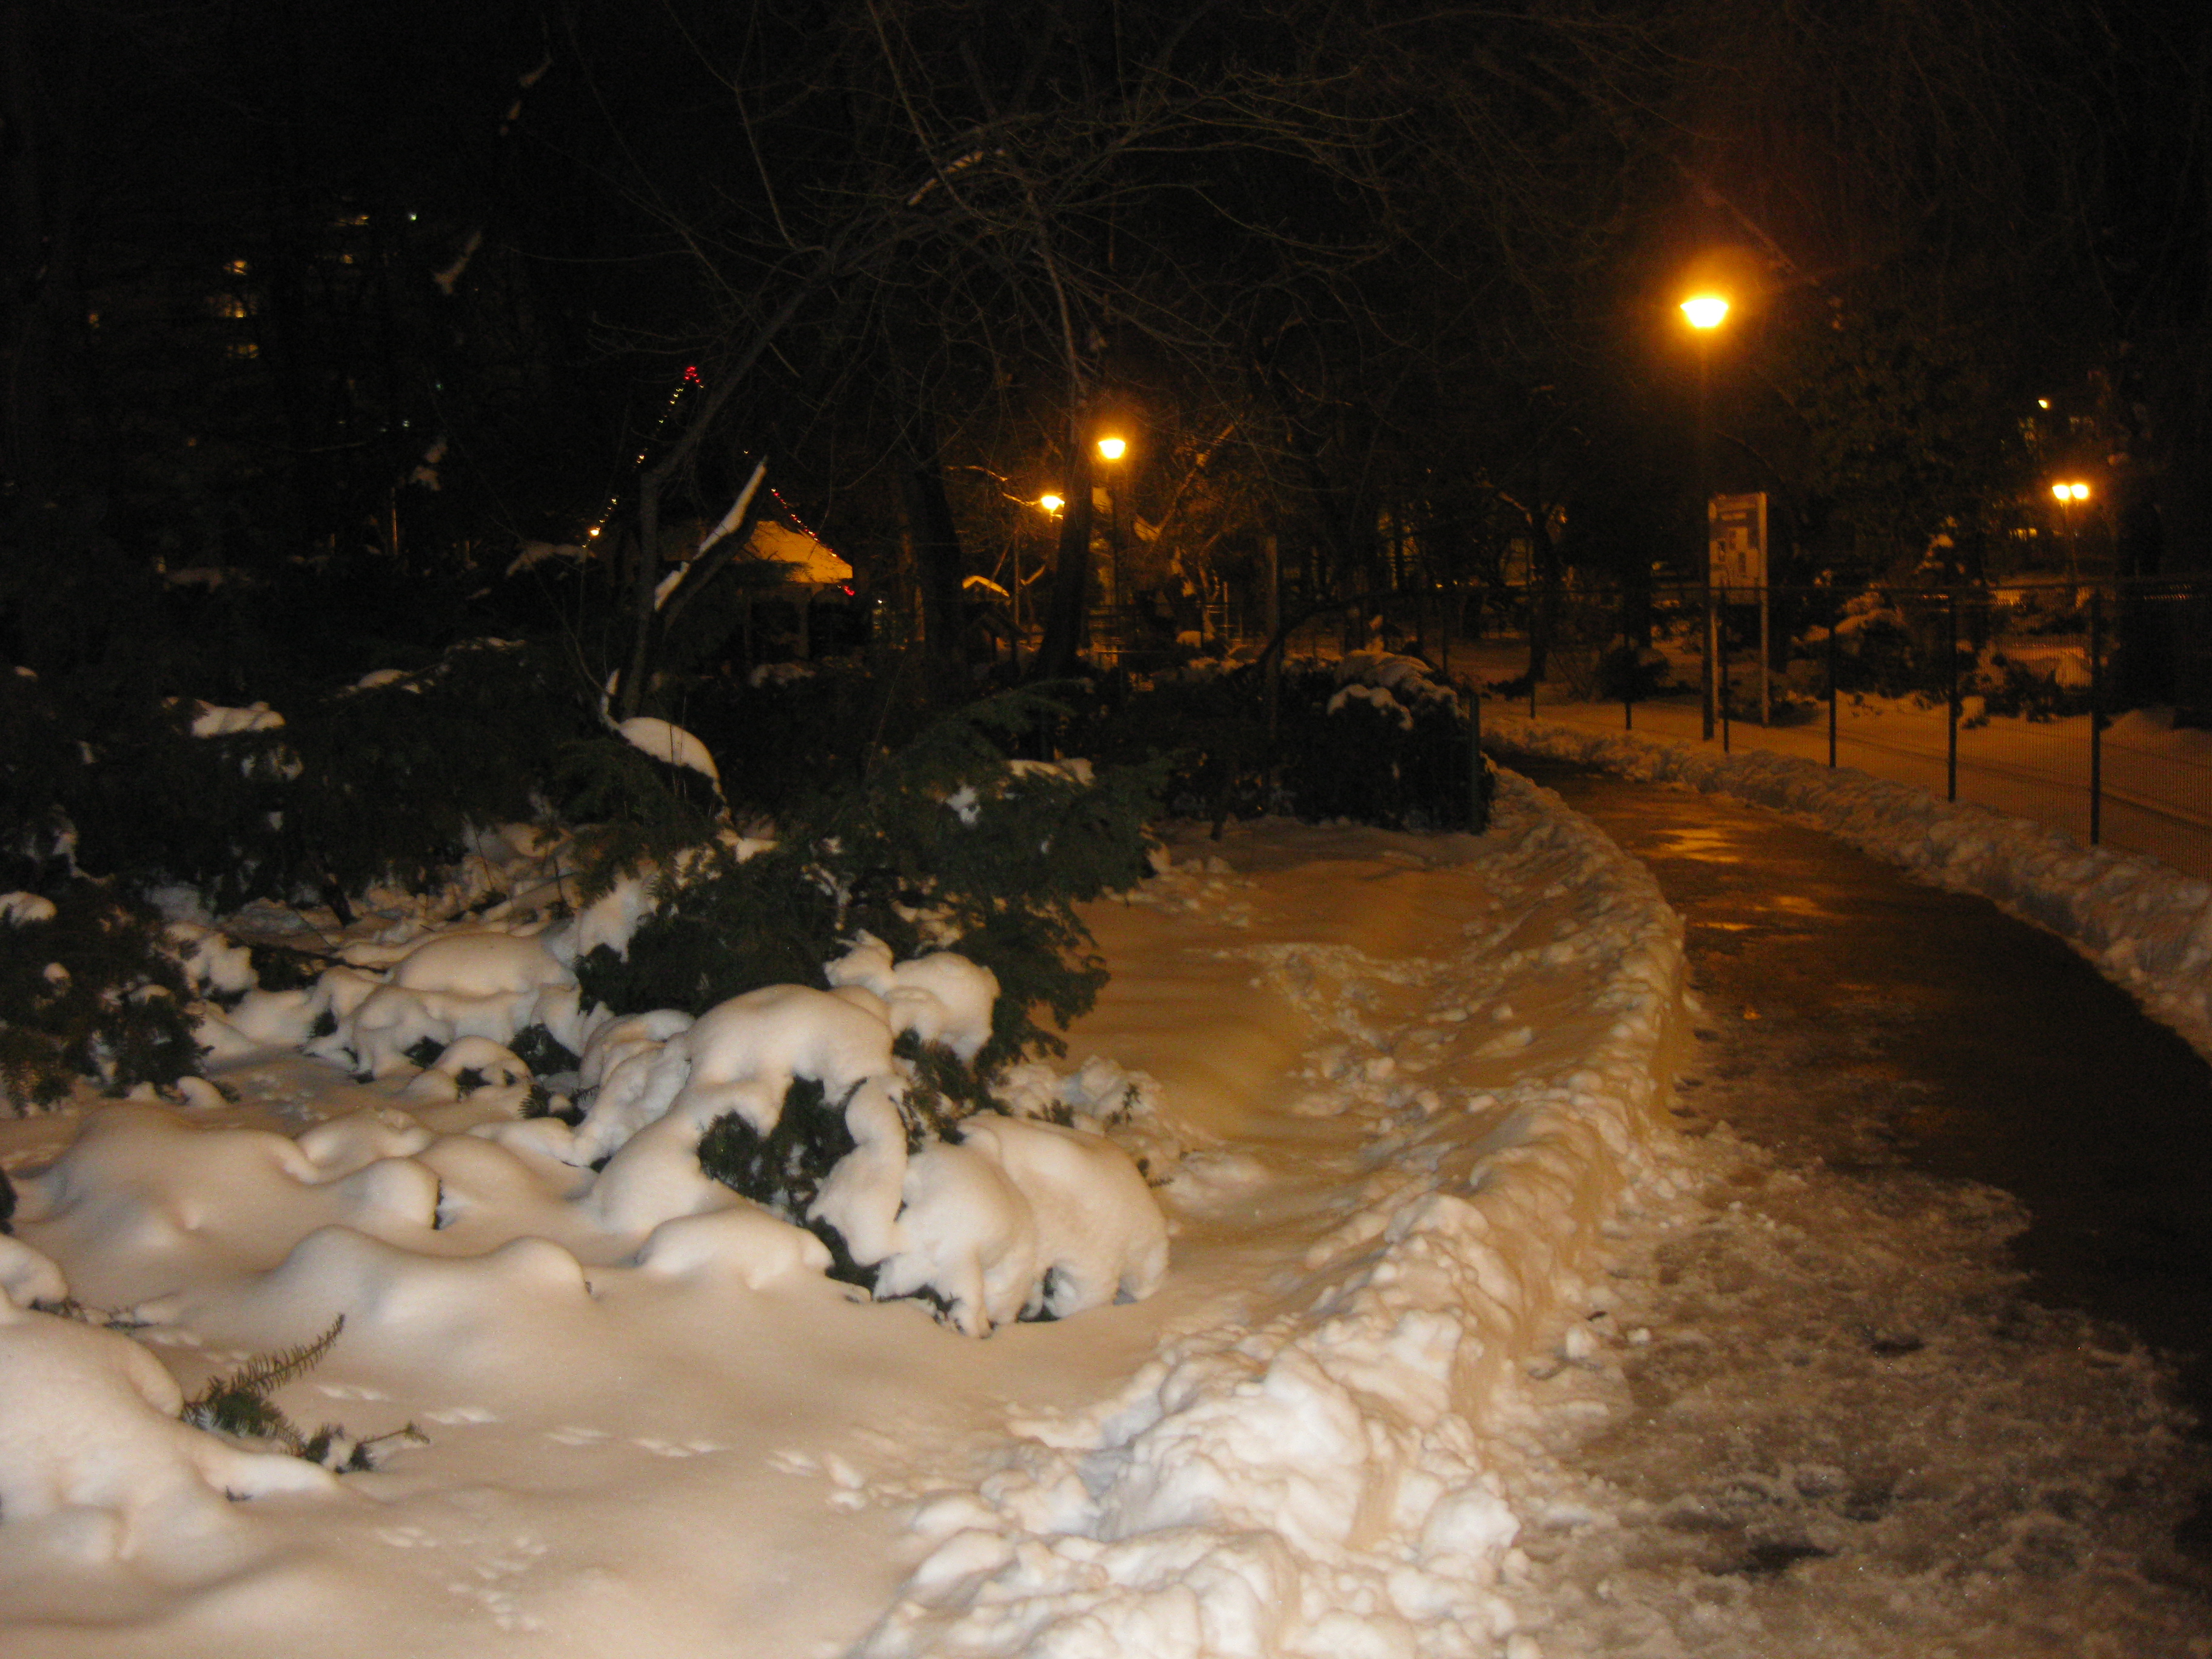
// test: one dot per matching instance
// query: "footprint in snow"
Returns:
(455, 1414)
(679, 1449)
(349, 1391)
(840, 1473)
(571, 1434)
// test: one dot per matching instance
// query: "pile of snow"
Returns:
(89, 1434)
(419, 1227)
(1320, 1483)
(2146, 926)
(1009, 1219)
(380, 1009)
(636, 1382)
(20, 909)
(993, 1224)
(211, 720)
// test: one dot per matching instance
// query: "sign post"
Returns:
(1736, 554)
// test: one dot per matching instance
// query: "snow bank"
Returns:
(1318, 1485)
(1306, 1466)
(91, 1445)
(2146, 926)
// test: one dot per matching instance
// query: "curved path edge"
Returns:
(2146, 927)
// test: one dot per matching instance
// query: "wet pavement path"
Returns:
(1927, 1031)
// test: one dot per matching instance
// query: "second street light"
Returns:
(1705, 313)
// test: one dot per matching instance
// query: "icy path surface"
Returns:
(1420, 1076)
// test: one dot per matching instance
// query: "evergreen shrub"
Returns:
(92, 991)
(1341, 749)
(947, 844)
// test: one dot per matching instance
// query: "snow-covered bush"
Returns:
(1878, 648)
(801, 1101)
(333, 789)
(1388, 745)
(787, 730)
(947, 845)
(2044, 688)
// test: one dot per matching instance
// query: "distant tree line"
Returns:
(318, 315)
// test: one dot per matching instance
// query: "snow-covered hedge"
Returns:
(821, 1104)
(991, 1217)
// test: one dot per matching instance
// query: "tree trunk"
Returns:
(939, 568)
(1070, 599)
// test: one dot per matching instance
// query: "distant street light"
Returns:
(1051, 503)
(1113, 449)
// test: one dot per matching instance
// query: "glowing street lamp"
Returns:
(1050, 503)
(2066, 492)
(1705, 311)
(1112, 448)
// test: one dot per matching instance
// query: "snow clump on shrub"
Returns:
(797, 1099)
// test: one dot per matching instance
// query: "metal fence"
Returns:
(2085, 706)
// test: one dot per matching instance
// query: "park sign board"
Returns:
(1736, 541)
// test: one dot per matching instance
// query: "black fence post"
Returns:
(2096, 715)
(1951, 695)
(1629, 665)
(1478, 799)
(1835, 618)
(1720, 672)
(1531, 592)
(1708, 677)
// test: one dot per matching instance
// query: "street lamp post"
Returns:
(2067, 493)
(1705, 313)
(1051, 504)
(1112, 448)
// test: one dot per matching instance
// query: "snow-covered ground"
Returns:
(1402, 1086)
(1436, 1258)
